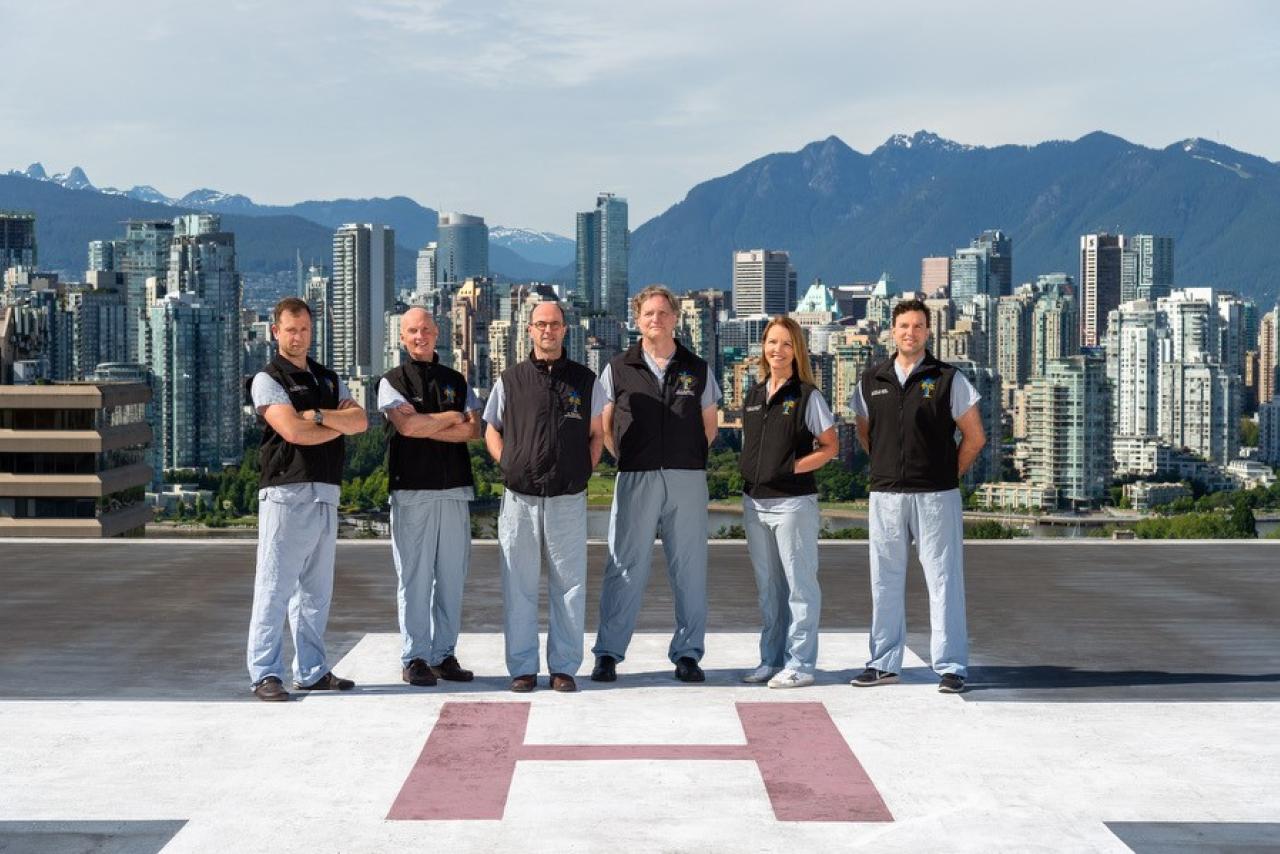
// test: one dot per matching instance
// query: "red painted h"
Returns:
(470, 757)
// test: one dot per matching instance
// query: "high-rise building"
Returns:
(363, 290)
(104, 255)
(935, 274)
(202, 263)
(986, 382)
(763, 282)
(17, 240)
(146, 255)
(425, 274)
(603, 256)
(853, 353)
(1234, 335)
(999, 249)
(100, 328)
(1068, 430)
(1136, 336)
(1013, 338)
(183, 349)
(1099, 284)
(474, 306)
(1269, 431)
(980, 311)
(984, 267)
(1146, 267)
(698, 327)
(462, 249)
(1192, 317)
(968, 273)
(501, 347)
(319, 295)
(1268, 354)
(1055, 328)
(1199, 409)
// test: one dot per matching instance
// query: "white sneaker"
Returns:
(760, 674)
(791, 679)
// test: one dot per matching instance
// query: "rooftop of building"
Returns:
(1123, 696)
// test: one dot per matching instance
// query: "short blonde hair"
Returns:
(800, 360)
(654, 291)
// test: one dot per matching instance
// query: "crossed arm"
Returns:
(299, 428)
(448, 426)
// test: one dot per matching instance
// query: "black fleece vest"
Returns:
(414, 463)
(913, 444)
(658, 426)
(546, 427)
(774, 436)
(281, 462)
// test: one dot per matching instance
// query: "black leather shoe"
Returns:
(270, 690)
(327, 682)
(687, 670)
(416, 672)
(606, 669)
(450, 671)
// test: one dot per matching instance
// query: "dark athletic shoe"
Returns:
(871, 676)
(450, 671)
(270, 690)
(416, 672)
(951, 684)
(327, 682)
(606, 669)
(687, 670)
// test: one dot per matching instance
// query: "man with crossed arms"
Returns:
(432, 415)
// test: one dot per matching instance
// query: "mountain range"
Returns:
(843, 215)
(847, 216)
(267, 236)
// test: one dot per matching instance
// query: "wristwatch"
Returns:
(318, 417)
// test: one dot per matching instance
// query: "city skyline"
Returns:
(647, 97)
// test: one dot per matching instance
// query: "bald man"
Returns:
(431, 415)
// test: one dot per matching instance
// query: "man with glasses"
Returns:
(659, 419)
(544, 431)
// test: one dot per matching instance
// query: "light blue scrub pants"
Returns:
(935, 520)
(783, 545)
(296, 544)
(431, 546)
(676, 500)
(527, 524)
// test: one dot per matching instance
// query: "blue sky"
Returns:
(521, 111)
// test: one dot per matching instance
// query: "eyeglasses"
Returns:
(543, 325)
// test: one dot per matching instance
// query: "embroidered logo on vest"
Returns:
(575, 406)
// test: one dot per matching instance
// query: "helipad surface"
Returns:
(1125, 697)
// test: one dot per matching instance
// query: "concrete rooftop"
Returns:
(1124, 696)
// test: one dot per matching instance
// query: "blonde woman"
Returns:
(788, 433)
